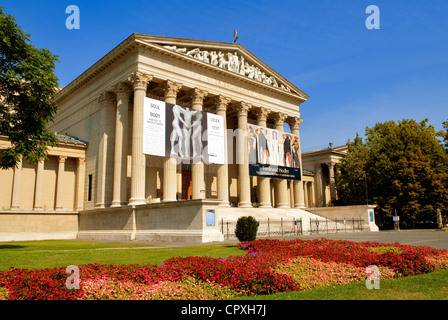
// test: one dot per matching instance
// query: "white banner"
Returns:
(215, 138)
(182, 133)
(154, 127)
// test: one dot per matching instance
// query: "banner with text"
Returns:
(173, 131)
(273, 153)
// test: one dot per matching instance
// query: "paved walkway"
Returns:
(432, 238)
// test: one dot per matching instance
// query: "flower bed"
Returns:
(269, 266)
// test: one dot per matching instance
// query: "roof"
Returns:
(193, 51)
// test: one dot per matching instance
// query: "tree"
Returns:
(444, 134)
(405, 167)
(27, 88)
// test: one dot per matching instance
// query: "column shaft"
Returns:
(242, 157)
(281, 185)
(169, 186)
(39, 186)
(264, 184)
(121, 143)
(105, 150)
(140, 82)
(299, 198)
(223, 170)
(197, 167)
(15, 201)
(332, 181)
(80, 179)
(60, 184)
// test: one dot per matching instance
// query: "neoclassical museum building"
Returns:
(162, 139)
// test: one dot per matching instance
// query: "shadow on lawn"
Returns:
(10, 246)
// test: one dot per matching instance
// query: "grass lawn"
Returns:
(60, 253)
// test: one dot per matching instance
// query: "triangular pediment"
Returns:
(231, 57)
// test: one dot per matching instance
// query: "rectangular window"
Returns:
(89, 191)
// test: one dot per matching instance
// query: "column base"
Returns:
(117, 204)
(300, 206)
(244, 205)
(261, 205)
(225, 204)
(136, 202)
(283, 206)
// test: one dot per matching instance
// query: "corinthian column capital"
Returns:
(280, 118)
(121, 89)
(171, 89)
(197, 96)
(243, 108)
(295, 122)
(140, 80)
(221, 102)
(262, 114)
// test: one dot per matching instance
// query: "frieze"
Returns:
(231, 62)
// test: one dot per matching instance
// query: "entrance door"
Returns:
(186, 183)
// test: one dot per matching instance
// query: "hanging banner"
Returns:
(182, 133)
(273, 153)
(154, 127)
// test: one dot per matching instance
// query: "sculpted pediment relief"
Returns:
(231, 61)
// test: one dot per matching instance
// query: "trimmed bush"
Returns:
(246, 228)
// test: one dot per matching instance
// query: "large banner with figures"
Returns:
(273, 153)
(178, 132)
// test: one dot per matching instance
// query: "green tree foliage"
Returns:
(405, 167)
(444, 134)
(27, 87)
(246, 228)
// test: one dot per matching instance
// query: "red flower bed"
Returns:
(253, 273)
(409, 260)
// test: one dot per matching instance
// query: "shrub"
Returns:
(246, 228)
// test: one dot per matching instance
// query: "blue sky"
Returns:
(355, 77)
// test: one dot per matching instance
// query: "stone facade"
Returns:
(118, 192)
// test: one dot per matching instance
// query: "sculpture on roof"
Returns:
(232, 63)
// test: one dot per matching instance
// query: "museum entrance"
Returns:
(186, 182)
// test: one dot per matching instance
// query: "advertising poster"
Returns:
(154, 127)
(273, 153)
(182, 133)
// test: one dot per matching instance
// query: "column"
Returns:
(332, 181)
(15, 201)
(223, 170)
(39, 186)
(60, 184)
(140, 82)
(121, 145)
(106, 103)
(306, 194)
(80, 179)
(169, 186)
(197, 167)
(264, 184)
(311, 197)
(319, 195)
(242, 157)
(299, 199)
(281, 185)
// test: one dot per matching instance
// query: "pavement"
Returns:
(431, 238)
